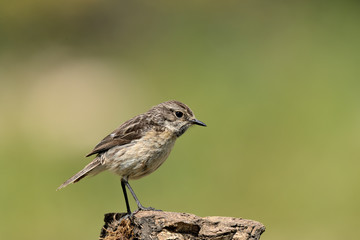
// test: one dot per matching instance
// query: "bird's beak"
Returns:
(197, 122)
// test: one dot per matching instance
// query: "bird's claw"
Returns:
(141, 208)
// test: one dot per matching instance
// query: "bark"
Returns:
(178, 226)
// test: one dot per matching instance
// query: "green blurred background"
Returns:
(277, 82)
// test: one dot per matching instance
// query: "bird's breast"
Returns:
(141, 156)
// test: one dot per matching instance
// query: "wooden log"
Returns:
(151, 225)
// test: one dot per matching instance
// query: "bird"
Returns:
(139, 146)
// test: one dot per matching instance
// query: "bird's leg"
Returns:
(140, 207)
(123, 182)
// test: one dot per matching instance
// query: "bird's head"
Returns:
(175, 116)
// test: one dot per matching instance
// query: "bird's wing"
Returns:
(130, 130)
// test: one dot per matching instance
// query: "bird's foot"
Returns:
(141, 208)
(123, 216)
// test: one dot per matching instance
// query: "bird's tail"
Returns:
(83, 173)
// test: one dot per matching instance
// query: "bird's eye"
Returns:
(179, 114)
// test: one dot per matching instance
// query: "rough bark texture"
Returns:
(178, 226)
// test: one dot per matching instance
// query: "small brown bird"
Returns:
(140, 145)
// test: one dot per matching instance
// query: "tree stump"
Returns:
(178, 226)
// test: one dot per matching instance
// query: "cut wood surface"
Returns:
(178, 226)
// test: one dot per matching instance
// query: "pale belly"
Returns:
(141, 157)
